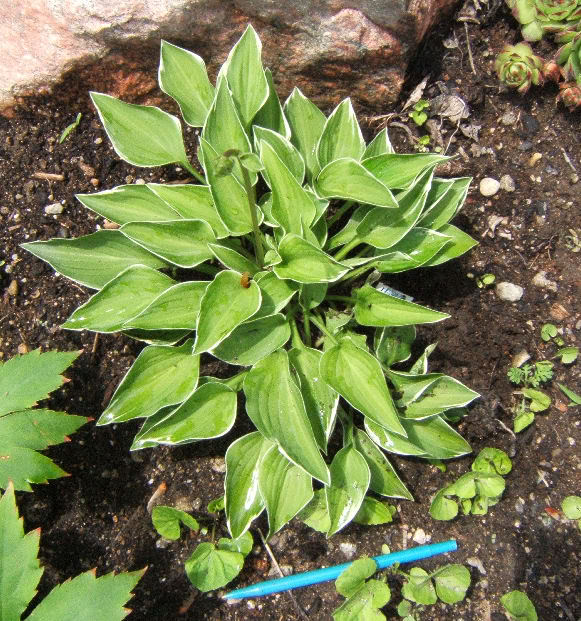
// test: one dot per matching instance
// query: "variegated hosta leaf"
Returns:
(350, 477)
(93, 260)
(275, 405)
(226, 304)
(276, 293)
(254, 340)
(120, 300)
(392, 442)
(307, 123)
(242, 498)
(285, 150)
(379, 145)
(276, 478)
(304, 262)
(357, 376)
(183, 76)
(444, 394)
(209, 412)
(160, 376)
(128, 203)
(394, 343)
(398, 171)
(181, 242)
(228, 255)
(176, 308)
(192, 202)
(460, 243)
(439, 210)
(271, 115)
(375, 308)
(341, 136)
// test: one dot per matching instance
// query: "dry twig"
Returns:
(48, 176)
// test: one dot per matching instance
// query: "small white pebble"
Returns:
(507, 183)
(509, 292)
(348, 549)
(489, 186)
(54, 209)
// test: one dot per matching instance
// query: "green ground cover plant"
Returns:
(84, 598)
(24, 432)
(475, 491)
(255, 264)
(571, 507)
(518, 606)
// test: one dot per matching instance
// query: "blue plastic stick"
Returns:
(331, 573)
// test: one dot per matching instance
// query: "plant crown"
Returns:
(291, 208)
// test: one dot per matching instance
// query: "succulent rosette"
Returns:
(519, 67)
(540, 16)
(570, 95)
(569, 57)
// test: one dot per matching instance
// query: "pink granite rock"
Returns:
(329, 48)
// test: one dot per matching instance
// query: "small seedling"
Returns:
(211, 566)
(486, 280)
(419, 115)
(530, 377)
(518, 606)
(550, 332)
(447, 584)
(568, 355)
(474, 491)
(571, 507)
(575, 398)
(364, 597)
(70, 128)
(423, 143)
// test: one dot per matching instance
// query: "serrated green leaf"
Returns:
(159, 377)
(128, 203)
(341, 136)
(226, 305)
(419, 588)
(176, 308)
(24, 433)
(353, 578)
(243, 69)
(398, 171)
(209, 412)
(306, 122)
(375, 308)
(276, 478)
(304, 262)
(181, 242)
(361, 606)
(452, 582)
(384, 479)
(182, 75)
(346, 178)
(254, 340)
(350, 478)
(271, 115)
(519, 606)
(119, 300)
(209, 569)
(141, 135)
(25, 380)
(567, 354)
(19, 567)
(320, 399)
(275, 405)
(490, 485)
(166, 521)
(357, 376)
(192, 202)
(93, 260)
(88, 598)
(242, 499)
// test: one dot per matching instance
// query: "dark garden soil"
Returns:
(97, 517)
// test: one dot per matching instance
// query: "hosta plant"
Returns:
(540, 16)
(84, 598)
(519, 67)
(25, 380)
(291, 210)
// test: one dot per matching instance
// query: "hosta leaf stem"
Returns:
(251, 193)
(339, 213)
(317, 322)
(347, 248)
(354, 274)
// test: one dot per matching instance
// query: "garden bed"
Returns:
(98, 517)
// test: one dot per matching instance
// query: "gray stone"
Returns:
(509, 292)
(329, 48)
(507, 183)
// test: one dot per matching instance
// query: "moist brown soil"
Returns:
(97, 517)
